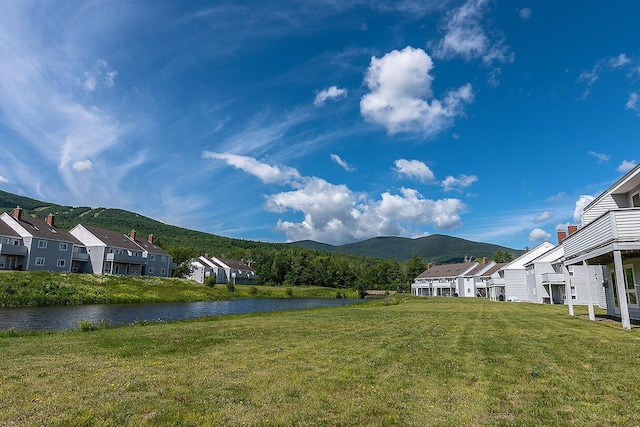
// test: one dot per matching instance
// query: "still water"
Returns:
(67, 317)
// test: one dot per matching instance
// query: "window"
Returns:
(151, 270)
(162, 271)
(635, 200)
(163, 259)
(2, 261)
(64, 247)
(62, 262)
(4, 241)
(40, 261)
(152, 258)
(42, 244)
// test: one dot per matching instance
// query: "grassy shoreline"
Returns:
(417, 362)
(41, 288)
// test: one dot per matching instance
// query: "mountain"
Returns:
(436, 248)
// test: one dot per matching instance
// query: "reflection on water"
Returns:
(68, 317)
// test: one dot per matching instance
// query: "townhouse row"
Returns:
(222, 270)
(594, 263)
(28, 243)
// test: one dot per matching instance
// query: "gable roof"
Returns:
(40, 228)
(552, 255)
(112, 238)
(5, 230)
(150, 247)
(523, 259)
(232, 263)
(623, 185)
(493, 269)
(447, 270)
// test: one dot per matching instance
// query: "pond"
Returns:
(68, 317)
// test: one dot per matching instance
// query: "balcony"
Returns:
(553, 279)
(7, 249)
(615, 230)
(80, 256)
(125, 258)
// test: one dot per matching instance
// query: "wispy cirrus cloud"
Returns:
(451, 183)
(605, 65)
(266, 173)
(343, 163)
(600, 156)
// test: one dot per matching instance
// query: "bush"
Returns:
(231, 287)
(288, 292)
(87, 326)
(210, 281)
(253, 290)
(339, 295)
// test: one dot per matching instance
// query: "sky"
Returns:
(335, 121)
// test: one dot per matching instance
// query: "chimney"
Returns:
(150, 238)
(561, 236)
(572, 229)
(50, 219)
(17, 213)
(485, 260)
(132, 234)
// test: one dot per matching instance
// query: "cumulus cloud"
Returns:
(414, 169)
(401, 97)
(3, 180)
(331, 94)
(582, 202)
(544, 216)
(266, 173)
(525, 13)
(339, 160)
(600, 156)
(451, 183)
(464, 36)
(626, 165)
(539, 235)
(82, 165)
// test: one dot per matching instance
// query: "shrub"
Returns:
(253, 290)
(210, 281)
(231, 287)
(87, 326)
(339, 295)
(288, 292)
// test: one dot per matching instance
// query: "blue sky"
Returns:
(334, 121)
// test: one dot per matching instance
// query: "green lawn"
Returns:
(420, 362)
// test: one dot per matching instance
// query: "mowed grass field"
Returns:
(405, 362)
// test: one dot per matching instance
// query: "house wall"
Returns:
(603, 205)
(515, 284)
(158, 265)
(55, 251)
(468, 287)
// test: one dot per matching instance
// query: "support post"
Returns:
(567, 290)
(622, 290)
(592, 314)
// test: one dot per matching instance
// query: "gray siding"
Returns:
(603, 205)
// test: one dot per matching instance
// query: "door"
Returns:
(629, 286)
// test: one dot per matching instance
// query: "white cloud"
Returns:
(414, 169)
(82, 165)
(3, 180)
(600, 156)
(525, 13)
(331, 94)
(582, 202)
(401, 98)
(464, 36)
(626, 165)
(100, 77)
(266, 173)
(544, 216)
(452, 183)
(539, 235)
(605, 64)
(632, 102)
(557, 197)
(619, 61)
(339, 160)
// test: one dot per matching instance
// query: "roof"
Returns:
(622, 185)
(532, 254)
(493, 269)
(238, 265)
(5, 230)
(112, 238)
(448, 270)
(552, 255)
(152, 248)
(40, 228)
